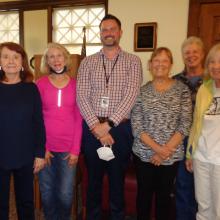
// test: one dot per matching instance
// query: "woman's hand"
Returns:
(39, 164)
(165, 152)
(72, 159)
(48, 157)
(189, 165)
(156, 160)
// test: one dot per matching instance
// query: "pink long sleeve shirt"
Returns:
(62, 118)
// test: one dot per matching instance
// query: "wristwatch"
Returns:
(111, 123)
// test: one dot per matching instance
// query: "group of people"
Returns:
(107, 115)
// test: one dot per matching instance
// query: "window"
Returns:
(68, 27)
(9, 26)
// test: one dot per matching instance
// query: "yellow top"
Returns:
(203, 100)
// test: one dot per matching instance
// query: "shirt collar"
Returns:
(119, 52)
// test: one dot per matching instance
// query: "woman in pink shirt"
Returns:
(63, 133)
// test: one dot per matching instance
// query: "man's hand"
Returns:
(107, 140)
(100, 129)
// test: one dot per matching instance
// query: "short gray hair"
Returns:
(193, 40)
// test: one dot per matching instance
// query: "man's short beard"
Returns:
(112, 44)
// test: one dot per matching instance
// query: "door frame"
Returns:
(194, 15)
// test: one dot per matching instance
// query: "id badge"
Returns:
(104, 102)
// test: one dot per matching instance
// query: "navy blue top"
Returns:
(22, 132)
(192, 82)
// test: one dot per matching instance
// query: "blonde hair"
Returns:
(45, 68)
(193, 40)
(212, 52)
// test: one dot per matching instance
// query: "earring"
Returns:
(22, 68)
(0, 68)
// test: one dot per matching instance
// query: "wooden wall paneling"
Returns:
(204, 21)
(194, 15)
(194, 10)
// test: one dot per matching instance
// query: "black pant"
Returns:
(23, 184)
(152, 180)
(114, 168)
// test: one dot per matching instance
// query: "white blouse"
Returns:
(208, 149)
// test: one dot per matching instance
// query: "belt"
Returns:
(104, 119)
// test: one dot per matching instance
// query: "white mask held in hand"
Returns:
(105, 153)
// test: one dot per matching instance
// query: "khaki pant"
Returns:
(207, 190)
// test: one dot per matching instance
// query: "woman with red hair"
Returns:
(22, 131)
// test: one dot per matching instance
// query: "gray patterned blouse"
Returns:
(160, 115)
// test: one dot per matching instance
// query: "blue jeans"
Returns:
(186, 206)
(56, 186)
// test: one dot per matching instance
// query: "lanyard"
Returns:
(107, 77)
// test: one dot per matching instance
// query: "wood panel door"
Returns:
(204, 21)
